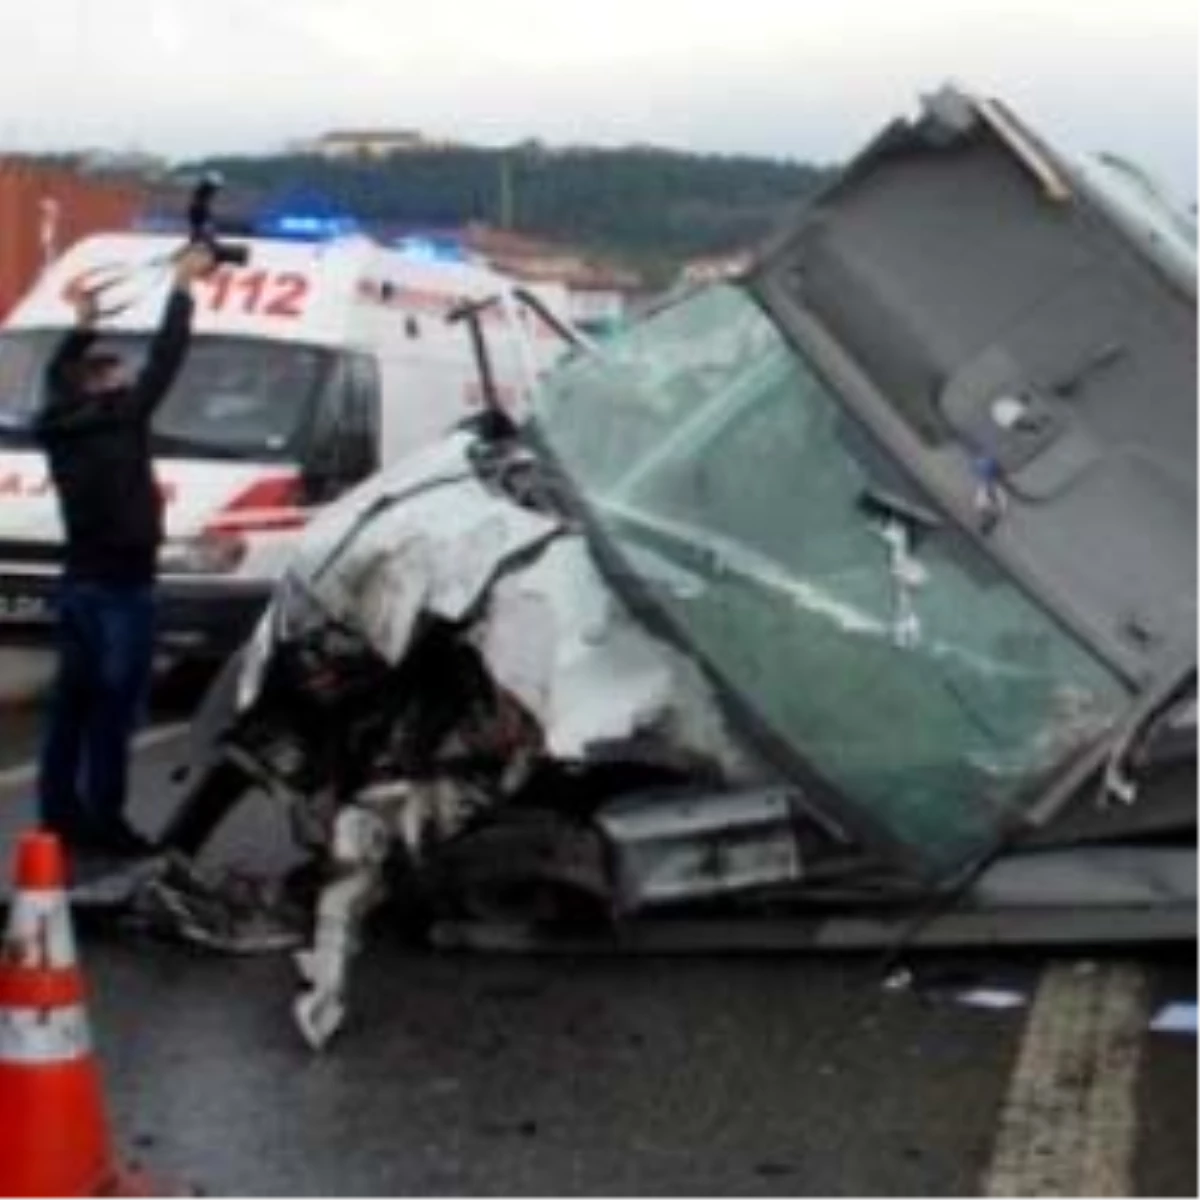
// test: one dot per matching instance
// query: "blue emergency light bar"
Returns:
(287, 226)
(304, 227)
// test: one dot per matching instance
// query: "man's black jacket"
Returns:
(98, 446)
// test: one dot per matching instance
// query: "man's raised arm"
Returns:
(170, 344)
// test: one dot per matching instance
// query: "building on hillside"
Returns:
(369, 143)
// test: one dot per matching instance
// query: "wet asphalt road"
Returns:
(478, 1075)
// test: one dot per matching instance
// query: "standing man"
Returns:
(95, 429)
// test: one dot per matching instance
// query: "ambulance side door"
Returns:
(345, 445)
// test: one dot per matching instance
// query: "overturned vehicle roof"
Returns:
(851, 600)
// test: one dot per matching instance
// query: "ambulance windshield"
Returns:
(234, 398)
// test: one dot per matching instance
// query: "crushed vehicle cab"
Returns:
(859, 592)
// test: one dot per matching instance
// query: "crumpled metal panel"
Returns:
(430, 540)
(697, 846)
(556, 637)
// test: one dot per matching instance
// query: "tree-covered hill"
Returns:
(645, 204)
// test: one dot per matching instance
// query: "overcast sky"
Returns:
(803, 78)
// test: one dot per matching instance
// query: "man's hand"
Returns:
(86, 305)
(194, 263)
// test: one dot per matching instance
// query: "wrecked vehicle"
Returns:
(848, 603)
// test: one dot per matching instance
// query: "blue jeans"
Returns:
(106, 649)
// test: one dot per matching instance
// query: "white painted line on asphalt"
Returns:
(1069, 1123)
(25, 773)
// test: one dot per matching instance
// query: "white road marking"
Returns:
(1069, 1123)
(26, 773)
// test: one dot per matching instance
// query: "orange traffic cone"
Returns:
(54, 1137)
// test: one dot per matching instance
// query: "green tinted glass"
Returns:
(881, 645)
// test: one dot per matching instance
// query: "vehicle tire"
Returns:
(532, 866)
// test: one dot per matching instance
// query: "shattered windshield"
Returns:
(785, 548)
(234, 397)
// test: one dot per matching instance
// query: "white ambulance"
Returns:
(310, 367)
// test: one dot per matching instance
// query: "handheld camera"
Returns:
(202, 228)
